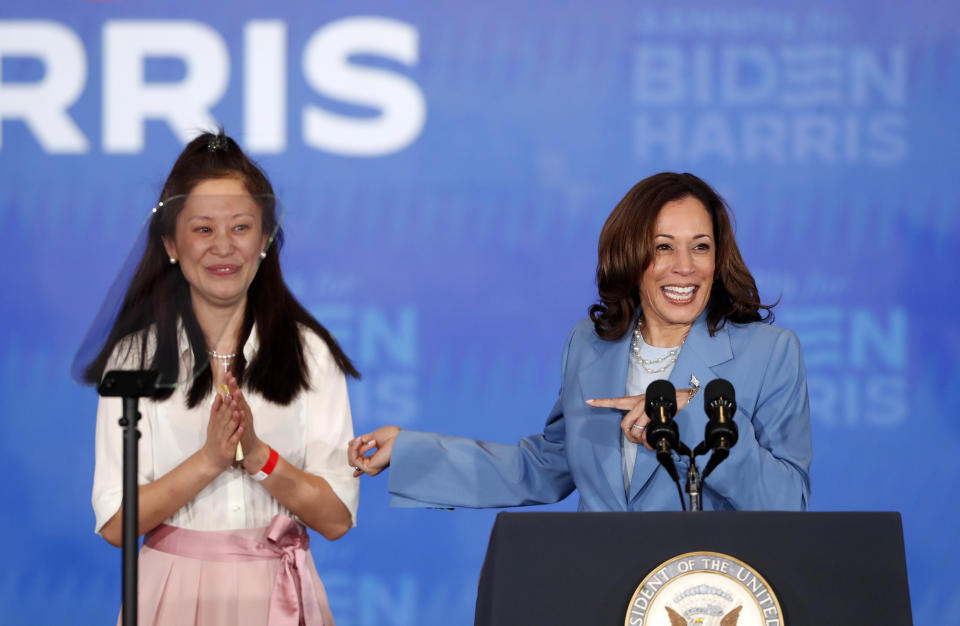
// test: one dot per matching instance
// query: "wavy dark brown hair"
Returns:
(626, 250)
(159, 296)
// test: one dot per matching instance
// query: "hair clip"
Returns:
(217, 142)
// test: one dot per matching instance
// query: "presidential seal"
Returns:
(704, 589)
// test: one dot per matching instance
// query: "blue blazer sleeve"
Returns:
(769, 467)
(429, 469)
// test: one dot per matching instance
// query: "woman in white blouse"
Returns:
(225, 540)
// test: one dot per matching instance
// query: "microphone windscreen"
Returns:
(718, 388)
(660, 391)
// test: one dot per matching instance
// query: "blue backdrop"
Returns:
(446, 171)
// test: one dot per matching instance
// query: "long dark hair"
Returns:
(626, 250)
(279, 369)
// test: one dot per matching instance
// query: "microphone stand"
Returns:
(720, 434)
(131, 385)
(694, 479)
(694, 485)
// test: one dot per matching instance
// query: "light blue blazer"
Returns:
(579, 448)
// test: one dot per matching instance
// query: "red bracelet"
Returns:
(268, 467)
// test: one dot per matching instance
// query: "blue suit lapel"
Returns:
(606, 377)
(699, 355)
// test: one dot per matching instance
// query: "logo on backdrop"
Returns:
(767, 86)
(704, 588)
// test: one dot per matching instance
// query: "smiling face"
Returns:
(675, 287)
(218, 240)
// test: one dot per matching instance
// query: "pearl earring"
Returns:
(263, 254)
(173, 261)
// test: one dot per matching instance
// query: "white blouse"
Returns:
(310, 433)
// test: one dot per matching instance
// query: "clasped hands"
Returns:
(231, 422)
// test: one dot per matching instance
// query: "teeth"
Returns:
(679, 294)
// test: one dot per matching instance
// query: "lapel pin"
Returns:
(694, 388)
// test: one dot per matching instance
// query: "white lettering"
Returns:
(738, 62)
(793, 103)
(885, 400)
(327, 68)
(390, 601)
(658, 580)
(815, 136)
(129, 100)
(865, 71)
(265, 86)
(777, 137)
(42, 105)
(870, 341)
(764, 138)
(665, 132)
(702, 75)
(889, 134)
(712, 136)
(812, 76)
(851, 138)
(658, 75)
(381, 338)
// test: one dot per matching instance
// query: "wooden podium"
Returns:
(827, 569)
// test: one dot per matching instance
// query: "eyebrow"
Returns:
(207, 217)
(694, 237)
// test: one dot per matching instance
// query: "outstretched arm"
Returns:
(430, 469)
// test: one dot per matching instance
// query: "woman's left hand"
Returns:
(634, 423)
(255, 452)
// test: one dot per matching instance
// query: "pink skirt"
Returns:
(232, 578)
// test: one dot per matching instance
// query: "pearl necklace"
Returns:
(670, 357)
(223, 358)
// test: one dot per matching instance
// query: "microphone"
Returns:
(663, 435)
(720, 433)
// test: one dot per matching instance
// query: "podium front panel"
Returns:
(827, 569)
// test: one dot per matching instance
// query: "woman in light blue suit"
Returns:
(677, 302)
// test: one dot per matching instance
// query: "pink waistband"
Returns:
(293, 601)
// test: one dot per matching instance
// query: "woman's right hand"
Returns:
(635, 420)
(224, 431)
(381, 441)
